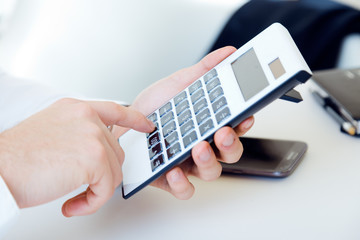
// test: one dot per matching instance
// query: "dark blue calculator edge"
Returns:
(300, 77)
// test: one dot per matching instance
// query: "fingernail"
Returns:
(205, 155)
(228, 141)
(248, 123)
(151, 124)
(65, 210)
(175, 176)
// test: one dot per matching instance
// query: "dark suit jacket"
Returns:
(317, 26)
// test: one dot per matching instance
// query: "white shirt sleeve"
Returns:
(20, 98)
(8, 208)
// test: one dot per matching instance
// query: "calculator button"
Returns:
(224, 113)
(155, 151)
(173, 151)
(157, 162)
(195, 86)
(153, 139)
(179, 98)
(184, 117)
(206, 126)
(210, 75)
(186, 127)
(216, 93)
(164, 109)
(153, 117)
(169, 128)
(219, 104)
(202, 116)
(197, 95)
(212, 84)
(200, 105)
(181, 107)
(172, 138)
(167, 118)
(190, 138)
(155, 130)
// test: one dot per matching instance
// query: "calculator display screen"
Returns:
(249, 74)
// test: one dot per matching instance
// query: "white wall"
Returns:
(109, 48)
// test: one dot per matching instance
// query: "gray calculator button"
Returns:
(169, 128)
(179, 98)
(167, 118)
(157, 162)
(216, 93)
(206, 126)
(182, 106)
(195, 86)
(210, 75)
(171, 139)
(173, 151)
(155, 138)
(224, 113)
(164, 109)
(202, 116)
(212, 84)
(155, 150)
(186, 127)
(184, 117)
(200, 105)
(197, 96)
(190, 138)
(153, 117)
(219, 104)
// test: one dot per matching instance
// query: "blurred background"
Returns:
(108, 48)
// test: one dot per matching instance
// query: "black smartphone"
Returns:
(337, 90)
(267, 157)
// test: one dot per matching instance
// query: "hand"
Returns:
(63, 147)
(205, 164)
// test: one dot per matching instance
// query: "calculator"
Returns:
(262, 70)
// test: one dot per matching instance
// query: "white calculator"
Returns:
(262, 70)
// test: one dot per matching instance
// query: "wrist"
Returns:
(6, 159)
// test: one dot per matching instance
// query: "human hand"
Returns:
(63, 147)
(205, 164)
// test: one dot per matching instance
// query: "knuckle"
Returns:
(121, 156)
(93, 130)
(99, 152)
(114, 106)
(118, 179)
(84, 110)
(184, 194)
(211, 177)
(66, 101)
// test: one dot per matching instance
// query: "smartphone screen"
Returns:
(267, 157)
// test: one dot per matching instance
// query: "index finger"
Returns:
(112, 113)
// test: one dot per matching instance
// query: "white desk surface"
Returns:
(321, 200)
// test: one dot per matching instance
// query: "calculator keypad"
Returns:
(190, 115)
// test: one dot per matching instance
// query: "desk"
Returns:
(321, 200)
